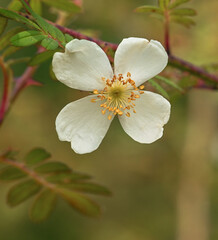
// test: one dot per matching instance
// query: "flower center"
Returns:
(118, 96)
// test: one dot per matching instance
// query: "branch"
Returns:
(4, 101)
(174, 61)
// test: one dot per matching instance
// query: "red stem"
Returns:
(167, 32)
(4, 101)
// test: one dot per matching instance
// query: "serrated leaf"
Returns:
(67, 178)
(36, 6)
(52, 167)
(5, 39)
(41, 57)
(64, 5)
(15, 5)
(170, 83)
(3, 24)
(183, 12)
(15, 16)
(48, 28)
(11, 173)
(149, 9)
(43, 206)
(49, 44)
(185, 21)
(68, 38)
(27, 38)
(90, 188)
(80, 202)
(159, 88)
(177, 3)
(36, 156)
(22, 191)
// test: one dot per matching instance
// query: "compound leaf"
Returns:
(183, 12)
(22, 191)
(41, 57)
(15, 16)
(177, 3)
(49, 44)
(159, 88)
(52, 167)
(36, 156)
(149, 9)
(27, 38)
(64, 5)
(11, 173)
(43, 206)
(80, 202)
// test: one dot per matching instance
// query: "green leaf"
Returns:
(36, 156)
(183, 12)
(170, 83)
(52, 167)
(16, 17)
(11, 173)
(27, 38)
(163, 3)
(36, 6)
(43, 206)
(48, 28)
(22, 191)
(185, 21)
(149, 9)
(80, 202)
(68, 38)
(64, 5)
(177, 3)
(3, 24)
(15, 5)
(49, 44)
(90, 188)
(11, 154)
(67, 178)
(159, 88)
(41, 57)
(5, 39)
(10, 50)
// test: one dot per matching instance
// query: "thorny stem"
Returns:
(173, 60)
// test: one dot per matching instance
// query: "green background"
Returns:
(145, 179)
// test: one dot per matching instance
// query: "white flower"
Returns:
(85, 66)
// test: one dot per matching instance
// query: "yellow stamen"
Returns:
(118, 95)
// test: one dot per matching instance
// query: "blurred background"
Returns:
(164, 191)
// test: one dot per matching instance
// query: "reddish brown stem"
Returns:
(4, 101)
(173, 61)
(167, 32)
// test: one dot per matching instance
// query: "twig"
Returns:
(173, 60)
(5, 97)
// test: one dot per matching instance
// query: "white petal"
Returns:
(82, 123)
(146, 125)
(82, 65)
(143, 59)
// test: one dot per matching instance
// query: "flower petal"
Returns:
(146, 125)
(143, 59)
(82, 65)
(82, 123)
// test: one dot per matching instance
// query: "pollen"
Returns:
(118, 95)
